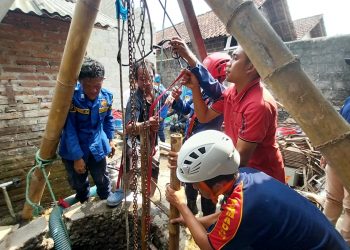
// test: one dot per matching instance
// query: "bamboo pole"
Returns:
(145, 152)
(281, 71)
(174, 229)
(78, 36)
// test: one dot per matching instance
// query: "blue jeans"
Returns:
(80, 182)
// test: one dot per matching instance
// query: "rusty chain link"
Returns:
(133, 168)
(145, 157)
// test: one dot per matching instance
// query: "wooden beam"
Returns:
(192, 27)
(174, 229)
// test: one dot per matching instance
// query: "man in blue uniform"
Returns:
(87, 136)
(258, 212)
(216, 65)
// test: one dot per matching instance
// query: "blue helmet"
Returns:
(157, 78)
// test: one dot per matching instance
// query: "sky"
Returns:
(336, 12)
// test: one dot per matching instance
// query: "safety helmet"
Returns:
(216, 65)
(206, 155)
(157, 78)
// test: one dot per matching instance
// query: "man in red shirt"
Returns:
(250, 112)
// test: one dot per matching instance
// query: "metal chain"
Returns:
(133, 169)
(145, 157)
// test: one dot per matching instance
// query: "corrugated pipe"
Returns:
(58, 228)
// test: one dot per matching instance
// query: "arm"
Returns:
(204, 114)
(246, 150)
(182, 107)
(198, 231)
(210, 86)
(72, 142)
(134, 127)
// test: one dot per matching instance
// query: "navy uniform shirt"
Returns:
(89, 126)
(262, 213)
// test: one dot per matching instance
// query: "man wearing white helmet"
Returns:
(258, 212)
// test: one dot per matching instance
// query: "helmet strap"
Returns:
(214, 195)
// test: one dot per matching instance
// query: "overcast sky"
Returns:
(336, 12)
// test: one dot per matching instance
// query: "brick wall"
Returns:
(30, 54)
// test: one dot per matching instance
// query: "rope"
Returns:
(121, 10)
(40, 163)
(153, 135)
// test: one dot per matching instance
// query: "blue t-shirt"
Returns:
(262, 213)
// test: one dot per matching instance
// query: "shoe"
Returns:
(114, 199)
(192, 205)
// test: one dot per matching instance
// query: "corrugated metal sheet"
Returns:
(59, 9)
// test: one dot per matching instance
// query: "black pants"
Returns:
(208, 207)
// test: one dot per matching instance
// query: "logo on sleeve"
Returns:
(229, 220)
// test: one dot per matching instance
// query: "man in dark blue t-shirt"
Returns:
(258, 211)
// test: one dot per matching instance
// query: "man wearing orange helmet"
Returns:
(216, 65)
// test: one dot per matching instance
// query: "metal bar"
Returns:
(8, 202)
(192, 27)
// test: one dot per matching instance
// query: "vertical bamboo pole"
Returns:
(78, 36)
(281, 71)
(174, 229)
(145, 152)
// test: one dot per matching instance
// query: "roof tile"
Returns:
(305, 25)
(60, 9)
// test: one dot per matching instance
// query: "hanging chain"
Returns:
(133, 169)
(145, 157)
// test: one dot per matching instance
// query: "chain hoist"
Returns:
(146, 132)
(132, 73)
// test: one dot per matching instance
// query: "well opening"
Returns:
(95, 226)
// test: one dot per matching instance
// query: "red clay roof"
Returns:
(209, 25)
(305, 25)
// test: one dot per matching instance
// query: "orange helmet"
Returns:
(216, 65)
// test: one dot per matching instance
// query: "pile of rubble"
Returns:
(302, 161)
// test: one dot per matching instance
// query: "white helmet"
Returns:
(206, 155)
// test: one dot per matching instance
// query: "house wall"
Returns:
(321, 58)
(30, 53)
(103, 46)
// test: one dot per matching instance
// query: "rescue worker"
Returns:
(144, 97)
(87, 136)
(250, 111)
(216, 65)
(258, 212)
